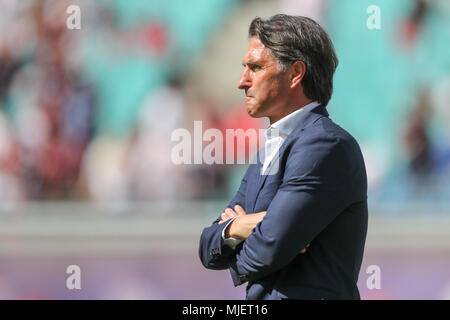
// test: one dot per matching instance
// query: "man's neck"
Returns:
(288, 111)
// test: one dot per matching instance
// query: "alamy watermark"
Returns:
(74, 280)
(374, 20)
(212, 147)
(374, 280)
(73, 21)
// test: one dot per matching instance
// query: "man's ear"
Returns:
(298, 70)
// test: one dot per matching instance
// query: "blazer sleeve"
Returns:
(213, 252)
(313, 192)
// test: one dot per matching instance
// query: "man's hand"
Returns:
(244, 224)
(304, 249)
(243, 228)
(230, 213)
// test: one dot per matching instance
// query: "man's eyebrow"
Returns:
(252, 63)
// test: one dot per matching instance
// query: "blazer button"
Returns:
(214, 251)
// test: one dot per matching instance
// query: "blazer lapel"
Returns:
(255, 182)
(303, 123)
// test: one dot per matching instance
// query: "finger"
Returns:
(230, 212)
(260, 215)
(239, 210)
(226, 216)
(223, 217)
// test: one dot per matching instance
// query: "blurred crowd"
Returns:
(423, 175)
(87, 115)
(47, 109)
(57, 139)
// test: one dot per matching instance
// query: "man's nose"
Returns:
(245, 80)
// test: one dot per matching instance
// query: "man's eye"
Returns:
(254, 68)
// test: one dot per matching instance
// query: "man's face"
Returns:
(265, 86)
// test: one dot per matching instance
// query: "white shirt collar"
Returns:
(287, 124)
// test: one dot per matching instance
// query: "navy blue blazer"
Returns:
(317, 195)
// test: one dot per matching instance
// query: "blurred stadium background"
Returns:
(85, 124)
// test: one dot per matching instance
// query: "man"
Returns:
(297, 226)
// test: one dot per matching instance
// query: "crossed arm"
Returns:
(315, 189)
(242, 226)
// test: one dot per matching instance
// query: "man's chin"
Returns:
(253, 113)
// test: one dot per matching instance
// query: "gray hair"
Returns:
(291, 38)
